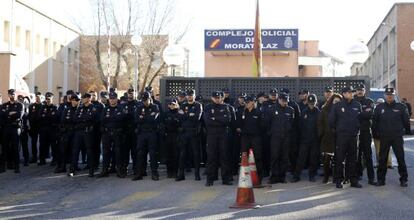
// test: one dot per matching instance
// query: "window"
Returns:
(6, 33)
(385, 55)
(69, 55)
(37, 44)
(75, 55)
(55, 48)
(46, 47)
(28, 40)
(18, 36)
(62, 53)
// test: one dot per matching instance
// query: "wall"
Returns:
(405, 60)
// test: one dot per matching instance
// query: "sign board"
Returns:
(243, 39)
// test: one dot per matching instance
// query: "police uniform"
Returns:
(266, 113)
(217, 118)
(130, 135)
(85, 118)
(390, 121)
(365, 136)
(12, 115)
(33, 119)
(249, 123)
(309, 141)
(294, 134)
(239, 107)
(67, 134)
(112, 122)
(172, 125)
(344, 119)
(328, 89)
(99, 106)
(281, 119)
(48, 116)
(147, 124)
(189, 145)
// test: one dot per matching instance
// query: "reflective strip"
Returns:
(245, 180)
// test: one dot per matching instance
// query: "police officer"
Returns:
(365, 136)
(266, 113)
(112, 122)
(217, 117)
(390, 120)
(344, 119)
(249, 126)
(67, 132)
(309, 141)
(172, 124)
(48, 116)
(294, 134)
(303, 98)
(146, 116)
(181, 97)
(189, 140)
(226, 97)
(130, 136)
(236, 138)
(280, 120)
(33, 119)
(85, 118)
(97, 136)
(12, 112)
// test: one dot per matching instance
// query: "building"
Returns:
(391, 60)
(37, 52)
(228, 53)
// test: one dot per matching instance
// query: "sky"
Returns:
(337, 24)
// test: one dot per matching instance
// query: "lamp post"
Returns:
(173, 56)
(136, 41)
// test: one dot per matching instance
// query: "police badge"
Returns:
(276, 113)
(382, 111)
(288, 43)
(343, 110)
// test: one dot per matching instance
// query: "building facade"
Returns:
(391, 60)
(37, 52)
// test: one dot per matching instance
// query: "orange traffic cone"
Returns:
(253, 171)
(245, 195)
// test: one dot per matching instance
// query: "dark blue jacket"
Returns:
(281, 120)
(344, 118)
(113, 117)
(217, 118)
(192, 115)
(12, 120)
(367, 113)
(390, 120)
(308, 125)
(146, 117)
(249, 121)
(48, 116)
(172, 121)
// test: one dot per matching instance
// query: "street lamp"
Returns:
(173, 56)
(136, 41)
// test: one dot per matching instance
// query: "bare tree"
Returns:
(152, 19)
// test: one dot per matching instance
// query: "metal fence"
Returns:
(171, 86)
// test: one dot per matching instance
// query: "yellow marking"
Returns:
(129, 200)
(197, 199)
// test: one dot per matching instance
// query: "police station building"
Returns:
(228, 53)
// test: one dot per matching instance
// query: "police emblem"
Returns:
(288, 42)
(276, 113)
(343, 110)
(382, 111)
(305, 117)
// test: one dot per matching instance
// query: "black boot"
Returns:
(197, 175)
(180, 175)
(155, 176)
(104, 173)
